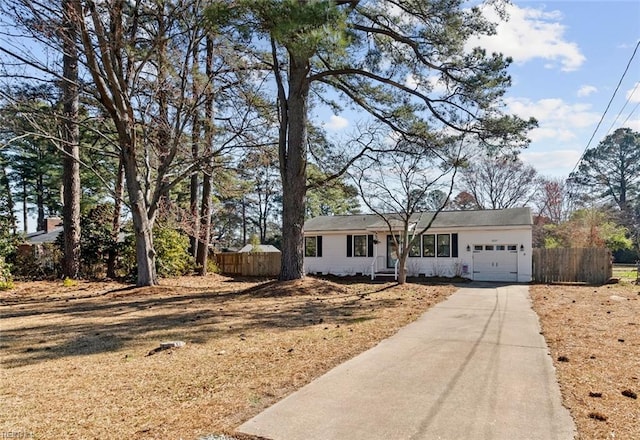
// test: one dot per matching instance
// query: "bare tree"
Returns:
(463, 202)
(498, 182)
(398, 186)
(552, 199)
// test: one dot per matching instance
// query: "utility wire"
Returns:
(632, 112)
(623, 107)
(608, 105)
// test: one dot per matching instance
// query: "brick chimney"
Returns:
(51, 223)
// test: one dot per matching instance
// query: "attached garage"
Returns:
(495, 262)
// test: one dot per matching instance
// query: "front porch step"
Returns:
(384, 274)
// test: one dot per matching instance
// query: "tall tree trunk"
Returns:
(402, 266)
(193, 199)
(205, 210)
(25, 206)
(41, 222)
(263, 224)
(244, 221)
(205, 216)
(4, 179)
(142, 224)
(71, 134)
(194, 188)
(117, 212)
(293, 169)
(110, 76)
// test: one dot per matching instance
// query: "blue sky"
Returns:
(568, 59)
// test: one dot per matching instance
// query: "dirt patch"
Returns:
(594, 337)
(75, 360)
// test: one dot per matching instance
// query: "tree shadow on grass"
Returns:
(46, 330)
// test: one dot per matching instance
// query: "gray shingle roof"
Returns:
(445, 219)
(43, 237)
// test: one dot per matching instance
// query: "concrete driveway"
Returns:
(473, 367)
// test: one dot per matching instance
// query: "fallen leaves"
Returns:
(592, 329)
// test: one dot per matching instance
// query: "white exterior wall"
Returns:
(334, 258)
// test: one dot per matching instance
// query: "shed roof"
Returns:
(262, 248)
(444, 219)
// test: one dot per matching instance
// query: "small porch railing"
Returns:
(380, 262)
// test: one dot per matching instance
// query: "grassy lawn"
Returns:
(626, 273)
(76, 363)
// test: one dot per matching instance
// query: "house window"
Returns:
(512, 247)
(444, 245)
(429, 245)
(477, 247)
(415, 249)
(359, 245)
(313, 246)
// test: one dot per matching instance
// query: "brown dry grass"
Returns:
(594, 337)
(75, 362)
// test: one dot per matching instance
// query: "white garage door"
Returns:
(495, 262)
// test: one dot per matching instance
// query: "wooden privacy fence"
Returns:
(253, 264)
(572, 265)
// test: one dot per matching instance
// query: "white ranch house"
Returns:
(488, 245)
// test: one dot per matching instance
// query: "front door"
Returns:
(392, 251)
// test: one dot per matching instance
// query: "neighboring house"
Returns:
(52, 229)
(33, 242)
(489, 245)
(38, 245)
(261, 248)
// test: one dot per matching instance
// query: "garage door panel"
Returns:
(495, 263)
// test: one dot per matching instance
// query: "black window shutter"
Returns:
(319, 245)
(454, 245)
(349, 245)
(369, 245)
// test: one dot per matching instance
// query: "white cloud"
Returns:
(552, 163)
(586, 90)
(557, 142)
(557, 120)
(337, 123)
(633, 124)
(532, 33)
